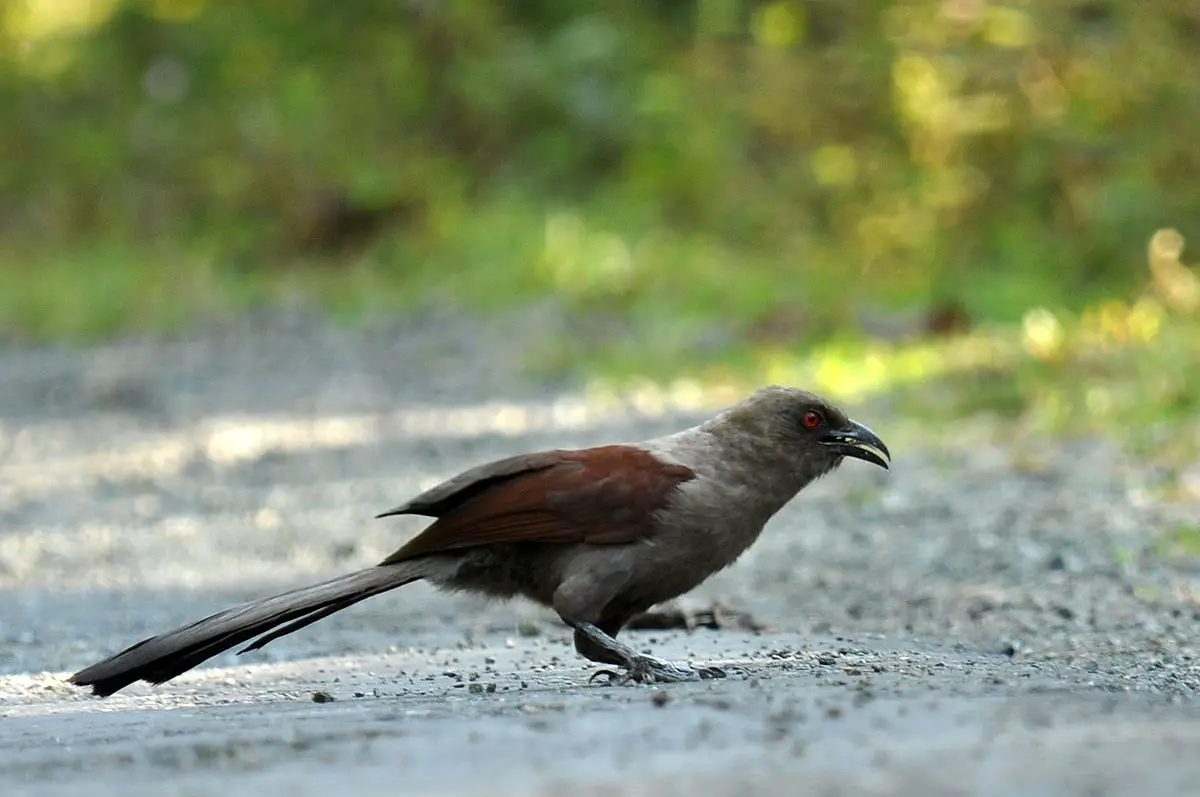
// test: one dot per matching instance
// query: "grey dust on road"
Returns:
(984, 619)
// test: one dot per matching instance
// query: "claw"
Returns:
(649, 670)
(611, 675)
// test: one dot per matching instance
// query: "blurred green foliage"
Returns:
(780, 167)
(772, 155)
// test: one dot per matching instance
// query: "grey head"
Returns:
(798, 427)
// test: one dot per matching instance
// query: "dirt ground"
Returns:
(984, 619)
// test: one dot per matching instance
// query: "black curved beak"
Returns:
(856, 440)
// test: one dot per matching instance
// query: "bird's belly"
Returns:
(506, 571)
(670, 575)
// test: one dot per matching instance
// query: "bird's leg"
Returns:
(639, 668)
(597, 653)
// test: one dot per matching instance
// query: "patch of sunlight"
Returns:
(47, 556)
(582, 261)
(22, 555)
(925, 95)
(1099, 400)
(234, 440)
(1110, 325)
(652, 398)
(1178, 285)
(844, 373)
(43, 31)
(1008, 27)
(835, 165)
(33, 20)
(779, 24)
(854, 373)
(227, 440)
(1042, 334)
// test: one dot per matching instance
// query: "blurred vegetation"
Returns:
(862, 191)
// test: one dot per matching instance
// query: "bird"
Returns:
(597, 534)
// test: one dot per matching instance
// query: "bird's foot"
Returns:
(649, 670)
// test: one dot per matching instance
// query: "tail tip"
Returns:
(98, 687)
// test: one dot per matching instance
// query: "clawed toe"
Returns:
(648, 670)
(611, 675)
(622, 678)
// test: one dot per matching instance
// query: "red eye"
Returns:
(811, 419)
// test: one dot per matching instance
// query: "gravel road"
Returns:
(987, 618)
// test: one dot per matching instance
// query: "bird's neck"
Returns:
(761, 476)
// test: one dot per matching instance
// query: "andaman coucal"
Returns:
(598, 534)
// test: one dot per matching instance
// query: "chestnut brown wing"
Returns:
(605, 495)
(455, 491)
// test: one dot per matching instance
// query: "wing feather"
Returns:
(608, 495)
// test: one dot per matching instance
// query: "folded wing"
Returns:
(607, 495)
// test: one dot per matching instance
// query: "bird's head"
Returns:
(804, 427)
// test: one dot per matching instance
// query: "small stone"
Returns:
(322, 697)
(660, 698)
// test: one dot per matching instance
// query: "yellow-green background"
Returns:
(814, 178)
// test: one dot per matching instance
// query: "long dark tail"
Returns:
(161, 658)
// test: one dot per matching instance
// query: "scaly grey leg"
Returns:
(640, 668)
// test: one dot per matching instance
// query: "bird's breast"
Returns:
(712, 525)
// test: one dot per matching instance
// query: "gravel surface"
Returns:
(984, 619)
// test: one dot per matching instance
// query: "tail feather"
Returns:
(309, 619)
(163, 657)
